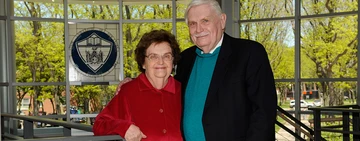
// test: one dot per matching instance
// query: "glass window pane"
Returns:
(89, 99)
(314, 7)
(317, 94)
(183, 37)
(329, 47)
(132, 35)
(278, 40)
(44, 9)
(39, 48)
(94, 10)
(148, 11)
(329, 93)
(50, 100)
(180, 9)
(266, 9)
(285, 93)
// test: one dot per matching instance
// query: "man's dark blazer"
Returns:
(241, 102)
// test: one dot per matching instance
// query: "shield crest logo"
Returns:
(93, 52)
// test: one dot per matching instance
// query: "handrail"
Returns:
(67, 126)
(296, 123)
(346, 112)
(289, 131)
(295, 120)
(50, 121)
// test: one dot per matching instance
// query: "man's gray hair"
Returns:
(213, 3)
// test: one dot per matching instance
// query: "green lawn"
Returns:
(285, 105)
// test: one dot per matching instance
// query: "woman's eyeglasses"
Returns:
(156, 57)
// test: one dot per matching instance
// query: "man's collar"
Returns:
(217, 46)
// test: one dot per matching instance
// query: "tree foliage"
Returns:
(328, 45)
(331, 45)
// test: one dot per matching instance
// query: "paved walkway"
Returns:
(283, 135)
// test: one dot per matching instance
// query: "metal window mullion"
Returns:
(36, 19)
(301, 17)
(358, 56)
(149, 21)
(122, 21)
(227, 8)
(297, 61)
(121, 44)
(67, 63)
(37, 83)
(93, 21)
(236, 15)
(11, 96)
(173, 20)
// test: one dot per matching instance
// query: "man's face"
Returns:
(206, 26)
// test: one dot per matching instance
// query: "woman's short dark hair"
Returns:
(155, 36)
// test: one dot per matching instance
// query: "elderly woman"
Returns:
(148, 107)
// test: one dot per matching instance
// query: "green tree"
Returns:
(37, 55)
(330, 43)
(273, 35)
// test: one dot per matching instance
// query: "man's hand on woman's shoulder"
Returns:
(122, 82)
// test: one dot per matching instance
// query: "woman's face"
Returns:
(159, 61)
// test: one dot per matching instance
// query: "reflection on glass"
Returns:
(45, 9)
(329, 47)
(266, 9)
(278, 40)
(132, 35)
(148, 11)
(40, 51)
(311, 7)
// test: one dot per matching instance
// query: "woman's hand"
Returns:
(134, 134)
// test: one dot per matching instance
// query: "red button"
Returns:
(161, 110)
(164, 131)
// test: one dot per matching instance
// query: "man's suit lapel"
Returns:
(188, 65)
(219, 71)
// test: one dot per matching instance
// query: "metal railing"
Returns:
(299, 126)
(345, 111)
(28, 123)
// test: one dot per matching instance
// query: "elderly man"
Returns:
(227, 83)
